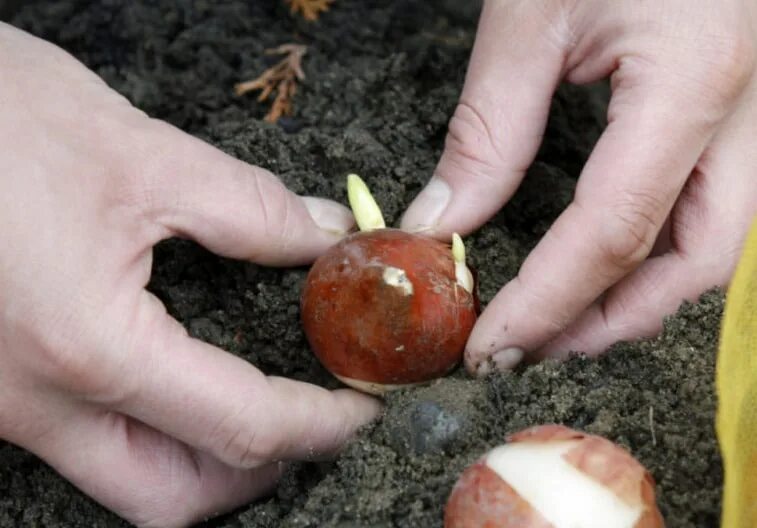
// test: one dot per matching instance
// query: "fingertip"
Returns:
(329, 216)
(477, 363)
(481, 365)
(485, 339)
(320, 422)
(505, 334)
(508, 358)
(362, 408)
(427, 208)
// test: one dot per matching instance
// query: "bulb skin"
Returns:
(382, 309)
(551, 476)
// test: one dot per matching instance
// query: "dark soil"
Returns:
(382, 80)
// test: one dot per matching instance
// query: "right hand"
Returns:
(666, 198)
(95, 377)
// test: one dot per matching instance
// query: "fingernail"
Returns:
(329, 216)
(484, 368)
(427, 208)
(507, 358)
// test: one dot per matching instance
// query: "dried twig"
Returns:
(651, 425)
(310, 9)
(282, 77)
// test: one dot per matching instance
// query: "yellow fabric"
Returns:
(737, 393)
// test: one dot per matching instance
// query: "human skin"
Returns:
(663, 204)
(95, 377)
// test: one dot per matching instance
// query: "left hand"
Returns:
(95, 377)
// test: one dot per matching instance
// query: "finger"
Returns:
(625, 193)
(221, 404)
(498, 124)
(232, 208)
(145, 476)
(707, 232)
(635, 307)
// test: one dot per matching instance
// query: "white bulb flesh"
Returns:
(373, 388)
(562, 494)
(397, 278)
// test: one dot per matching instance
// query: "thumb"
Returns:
(221, 404)
(234, 209)
(497, 127)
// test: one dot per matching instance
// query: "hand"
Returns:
(665, 200)
(95, 377)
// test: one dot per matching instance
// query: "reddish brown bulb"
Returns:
(551, 476)
(384, 309)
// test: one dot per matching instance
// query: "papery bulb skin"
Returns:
(383, 309)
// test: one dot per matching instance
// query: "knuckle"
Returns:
(544, 313)
(286, 226)
(630, 230)
(240, 451)
(731, 63)
(558, 18)
(150, 173)
(471, 143)
(73, 364)
(83, 360)
(239, 441)
(273, 200)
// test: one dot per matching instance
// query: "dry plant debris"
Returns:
(282, 77)
(310, 9)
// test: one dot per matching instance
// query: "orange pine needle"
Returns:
(282, 77)
(310, 9)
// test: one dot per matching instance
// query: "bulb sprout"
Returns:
(367, 212)
(463, 275)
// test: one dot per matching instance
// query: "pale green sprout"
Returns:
(463, 275)
(368, 217)
(367, 212)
